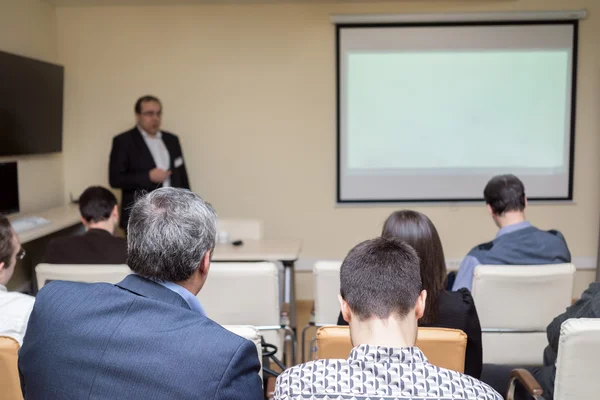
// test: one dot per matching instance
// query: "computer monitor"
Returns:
(9, 188)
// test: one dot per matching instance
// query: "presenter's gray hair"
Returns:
(169, 232)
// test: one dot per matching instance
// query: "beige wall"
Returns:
(28, 28)
(251, 92)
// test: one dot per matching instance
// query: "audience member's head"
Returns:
(381, 295)
(148, 113)
(171, 234)
(98, 208)
(10, 250)
(418, 231)
(505, 199)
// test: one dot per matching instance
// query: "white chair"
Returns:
(515, 304)
(241, 228)
(326, 307)
(578, 355)
(247, 293)
(90, 273)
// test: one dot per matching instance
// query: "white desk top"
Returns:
(59, 217)
(259, 250)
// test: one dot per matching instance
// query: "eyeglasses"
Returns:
(21, 254)
(152, 113)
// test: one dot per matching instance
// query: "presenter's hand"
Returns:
(158, 175)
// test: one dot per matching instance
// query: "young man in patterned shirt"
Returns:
(382, 300)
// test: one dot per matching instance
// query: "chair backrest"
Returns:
(443, 347)
(515, 303)
(244, 293)
(327, 288)
(578, 355)
(250, 333)
(10, 385)
(521, 297)
(241, 228)
(89, 273)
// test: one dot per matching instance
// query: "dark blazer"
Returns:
(457, 311)
(133, 340)
(96, 246)
(586, 307)
(131, 162)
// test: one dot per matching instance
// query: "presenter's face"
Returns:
(150, 116)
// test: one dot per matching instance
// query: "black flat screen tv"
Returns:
(9, 194)
(31, 106)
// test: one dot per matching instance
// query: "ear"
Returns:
(420, 306)
(115, 213)
(84, 222)
(1, 265)
(525, 202)
(205, 263)
(489, 208)
(345, 308)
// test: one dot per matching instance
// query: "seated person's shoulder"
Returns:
(21, 299)
(483, 247)
(471, 386)
(461, 298)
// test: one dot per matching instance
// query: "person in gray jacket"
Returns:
(517, 242)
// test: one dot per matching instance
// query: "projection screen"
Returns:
(430, 112)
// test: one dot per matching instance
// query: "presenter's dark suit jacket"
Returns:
(131, 162)
(135, 340)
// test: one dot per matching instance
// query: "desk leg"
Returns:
(289, 290)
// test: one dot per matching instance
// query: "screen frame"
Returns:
(572, 124)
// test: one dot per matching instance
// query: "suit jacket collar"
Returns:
(140, 143)
(138, 138)
(98, 232)
(145, 287)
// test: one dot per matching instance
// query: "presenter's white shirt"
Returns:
(159, 152)
(14, 313)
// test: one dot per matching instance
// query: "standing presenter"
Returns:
(145, 158)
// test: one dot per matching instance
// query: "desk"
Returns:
(284, 250)
(59, 217)
(64, 221)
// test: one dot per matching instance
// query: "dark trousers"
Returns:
(498, 377)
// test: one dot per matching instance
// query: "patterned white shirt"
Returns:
(375, 373)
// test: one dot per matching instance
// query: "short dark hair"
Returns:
(96, 204)
(418, 231)
(381, 277)
(144, 99)
(505, 193)
(6, 241)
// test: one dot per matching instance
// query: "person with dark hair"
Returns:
(454, 310)
(98, 245)
(381, 298)
(145, 158)
(146, 337)
(517, 241)
(14, 307)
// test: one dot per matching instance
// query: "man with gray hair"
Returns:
(146, 337)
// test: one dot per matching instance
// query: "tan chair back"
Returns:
(443, 347)
(10, 385)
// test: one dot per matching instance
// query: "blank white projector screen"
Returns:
(432, 112)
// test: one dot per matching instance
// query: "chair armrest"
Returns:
(527, 380)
